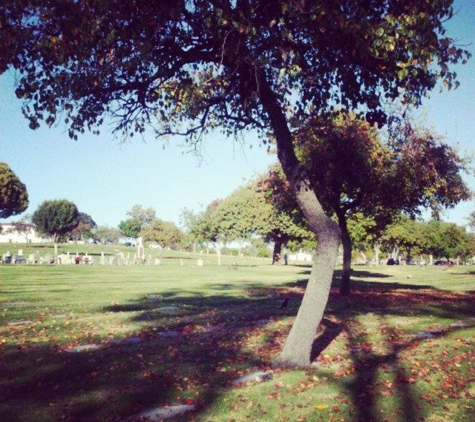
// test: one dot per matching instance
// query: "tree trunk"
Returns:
(409, 255)
(276, 253)
(395, 252)
(345, 284)
(298, 346)
(218, 253)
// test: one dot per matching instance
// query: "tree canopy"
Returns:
(190, 66)
(144, 216)
(105, 234)
(56, 218)
(447, 240)
(13, 193)
(139, 219)
(84, 59)
(130, 227)
(165, 233)
(356, 170)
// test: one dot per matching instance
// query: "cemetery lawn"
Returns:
(104, 343)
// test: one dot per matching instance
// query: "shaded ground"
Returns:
(393, 352)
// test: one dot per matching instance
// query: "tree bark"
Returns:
(298, 346)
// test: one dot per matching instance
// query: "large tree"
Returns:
(358, 169)
(194, 65)
(56, 218)
(13, 193)
(362, 172)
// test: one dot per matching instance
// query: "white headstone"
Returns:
(140, 252)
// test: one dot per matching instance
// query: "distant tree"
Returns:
(84, 228)
(56, 218)
(404, 233)
(364, 233)
(281, 221)
(455, 241)
(130, 227)
(143, 216)
(190, 220)
(222, 222)
(433, 240)
(13, 193)
(210, 228)
(446, 240)
(236, 215)
(165, 233)
(246, 214)
(105, 234)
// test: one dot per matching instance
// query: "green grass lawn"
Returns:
(401, 348)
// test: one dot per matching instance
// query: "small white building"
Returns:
(26, 233)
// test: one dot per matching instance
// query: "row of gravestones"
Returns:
(67, 258)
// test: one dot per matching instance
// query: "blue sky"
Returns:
(105, 178)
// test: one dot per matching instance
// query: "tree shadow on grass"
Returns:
(384, 383)
(365, 387)
(329, 331)
(188, 349)
(41, 384)
(354, 274)
(191, 347)
(368, 386)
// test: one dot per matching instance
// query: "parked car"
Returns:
(392, 261)
(154, 246)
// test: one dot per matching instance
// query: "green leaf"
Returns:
(401, 74)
